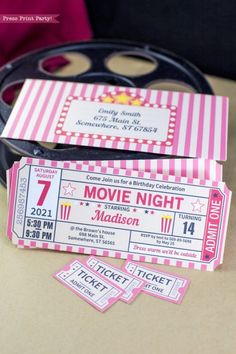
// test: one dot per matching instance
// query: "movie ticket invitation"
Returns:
(119, 213)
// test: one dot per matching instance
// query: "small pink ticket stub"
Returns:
(131, 285)
(90, 286)
(166, 286)
(171, 123)
(119, 213)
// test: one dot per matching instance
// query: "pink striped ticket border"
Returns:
(110, 253)
(192, 168)
(200, 123)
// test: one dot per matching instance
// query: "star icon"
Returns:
(69, 190)
(136, 102)
(197, 206)
(122, 98)
(81, 203)
(152, 212)
(215, 195)
(134, 210)
(146, 211)
(87, 204)
(107, 99)
(207, 256)
(99, 205)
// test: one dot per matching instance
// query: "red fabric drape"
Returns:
(16, 39)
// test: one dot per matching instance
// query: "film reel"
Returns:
(96, 66)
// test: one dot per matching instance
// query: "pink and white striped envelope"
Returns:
(172, 123)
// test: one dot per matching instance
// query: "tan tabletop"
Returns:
(39, 316)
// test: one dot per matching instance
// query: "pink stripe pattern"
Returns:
(180, 140)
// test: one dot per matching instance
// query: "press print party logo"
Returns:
(65, 209)
(166, 222)
(29, 18)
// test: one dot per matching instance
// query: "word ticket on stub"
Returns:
(118, 213)
(90, 286)
(166, 286)
(131, 285)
